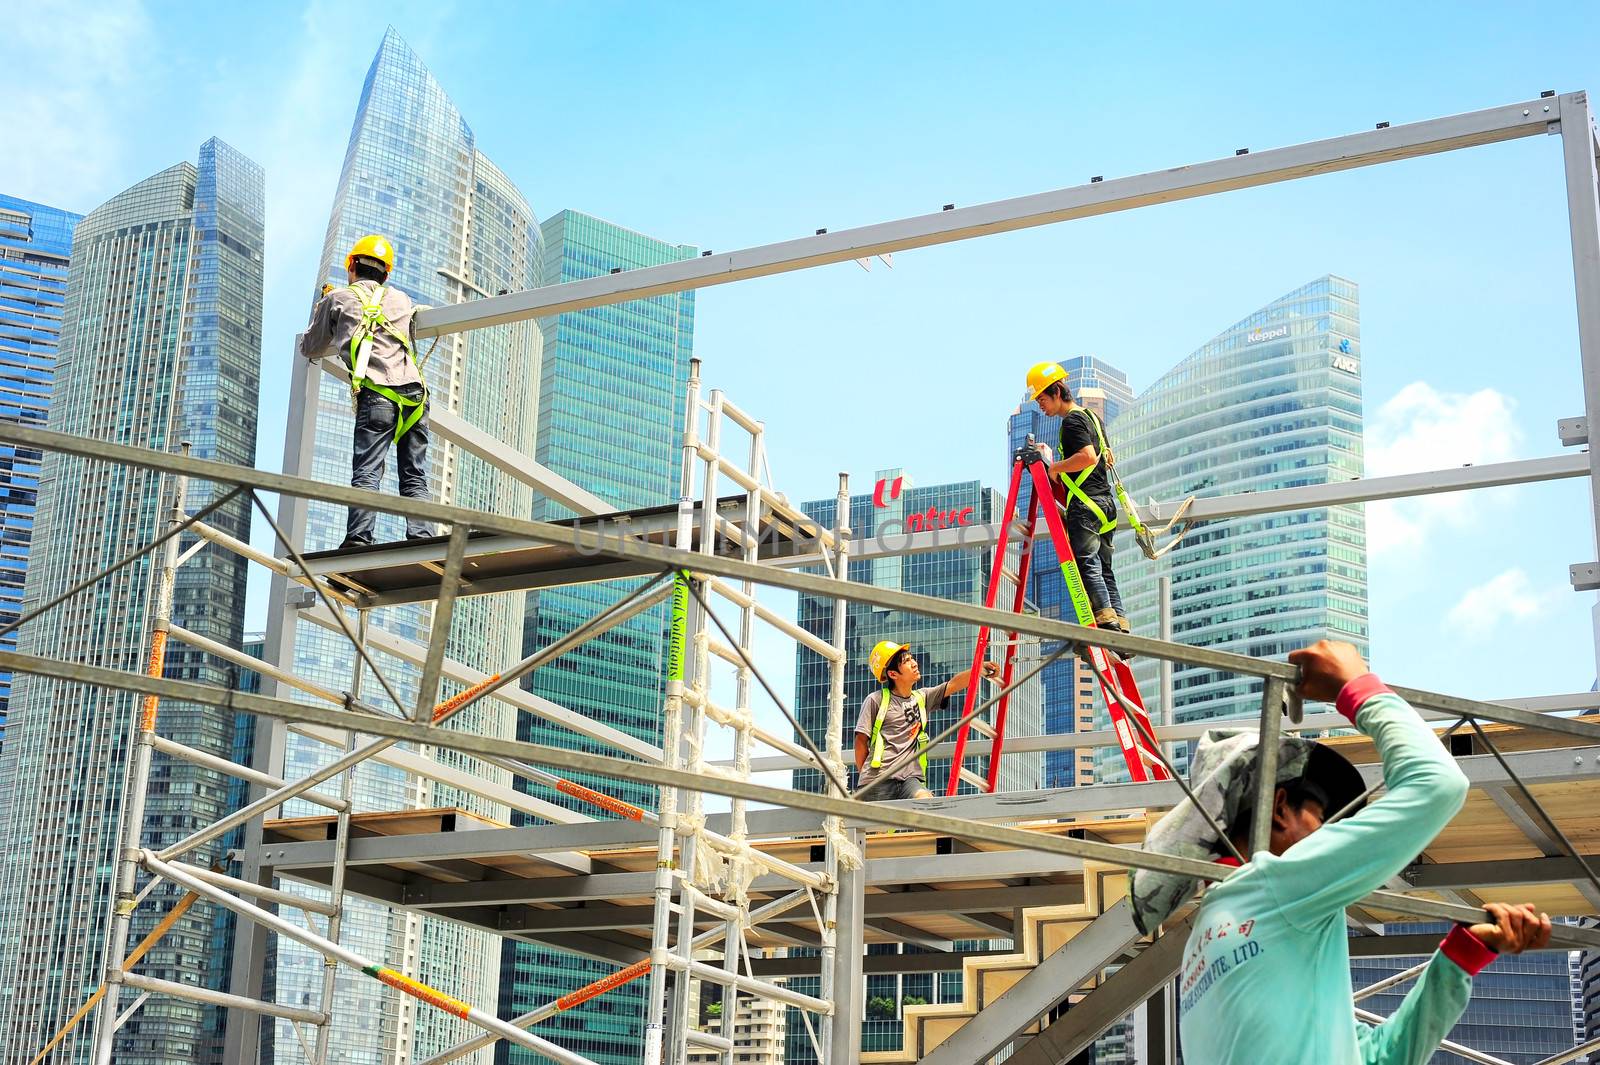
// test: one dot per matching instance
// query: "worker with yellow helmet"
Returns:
(368, 325)
(894, 719)
(1081, 473)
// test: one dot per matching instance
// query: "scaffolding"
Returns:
(720, 871)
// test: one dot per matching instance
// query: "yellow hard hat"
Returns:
(1043, 375)
(371, 246)
(879, 659)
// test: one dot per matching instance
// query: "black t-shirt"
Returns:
(1077, 432)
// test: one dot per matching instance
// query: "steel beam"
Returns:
(875, 964)
(1453, 876)
(1389, 144)
(600, 543)
(1154, 968)
(1043, 988)
(1583, 218)
(848, 982)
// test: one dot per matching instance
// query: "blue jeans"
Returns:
(1092, 548)
(375, 422)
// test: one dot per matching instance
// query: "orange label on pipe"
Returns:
(452, 704)
(158, 659)
(421, 992)
(602, 985)
(600, 799)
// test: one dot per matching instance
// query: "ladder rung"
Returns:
(1010, 575)
(974, 779)
(982, 727)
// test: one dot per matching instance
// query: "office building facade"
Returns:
(461, 230)
(611, 409)
(1274, 401)
(1070, 692)
(163, 304)
(35, 248)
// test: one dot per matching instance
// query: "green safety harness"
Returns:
(1142, 533)
(409, 408)
(922, 733)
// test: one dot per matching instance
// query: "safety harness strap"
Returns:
(922, 733)
(409, 409)
(1075, 484)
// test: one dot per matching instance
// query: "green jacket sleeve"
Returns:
(1412, 1033)
(1337, 865)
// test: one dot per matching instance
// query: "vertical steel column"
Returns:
(695, 729)
(341, 853)
(671, 735)
(833, 750)
(136, 787)
(849, 983)
(1272, 694)
(1164, 618)
(1578, 150)
(242, 1036)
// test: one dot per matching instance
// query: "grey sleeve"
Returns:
(934, 698)
(869, 710)
(319, 334)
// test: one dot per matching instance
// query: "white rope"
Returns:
(709, 867)
(844, 848)
(731, 717)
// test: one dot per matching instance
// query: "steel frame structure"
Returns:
(685, 881)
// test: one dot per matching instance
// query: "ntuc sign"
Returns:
(886, 491)
(1261, 336)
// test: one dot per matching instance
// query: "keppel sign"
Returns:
(1261, 336)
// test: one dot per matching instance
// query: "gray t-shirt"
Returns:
(900, 725)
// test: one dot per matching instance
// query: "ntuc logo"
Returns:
(886, 490)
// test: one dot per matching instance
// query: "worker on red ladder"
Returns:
(895, 718)
(1266, 969)
(1091, 512)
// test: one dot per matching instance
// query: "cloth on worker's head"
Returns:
(1222, 776)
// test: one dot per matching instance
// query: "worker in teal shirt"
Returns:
(1266, 969)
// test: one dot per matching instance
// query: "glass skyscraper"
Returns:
(35, 246)
(1274, 401)
(611, 406)
(460, 229)
(1520, 1010)
(160, 344)
(1070, 692)
(942, 648)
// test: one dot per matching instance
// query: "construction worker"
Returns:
(1091, 512)
(369, 324)
(1266, 969)
(895, 718)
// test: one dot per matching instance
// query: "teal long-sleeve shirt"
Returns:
(1266, 971)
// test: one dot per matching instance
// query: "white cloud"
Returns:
(1424, 429)
(72, 70)
(1508, 597)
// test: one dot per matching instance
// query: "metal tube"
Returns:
(611, 545)
(1164, 621)
(124, 896)
(1389, 981)
(1444, 1044)
(341, 855)
(223, 765)
(450, 706)
(439, 626)
(195, 993)
(260, 891)
(750, 985)
(833, 743)
(250, 662)
(128, 1013)
(384, 975)
(1266, 765)
(783, 625)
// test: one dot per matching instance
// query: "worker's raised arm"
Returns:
(1340, 863)
(318, 336)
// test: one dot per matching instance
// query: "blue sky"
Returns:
(728, 125)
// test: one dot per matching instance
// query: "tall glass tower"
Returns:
(1070, 693)
(35, 245)
(160, 344)
(1274, 401)
(942, 648)
(611, 406)
(461, 229)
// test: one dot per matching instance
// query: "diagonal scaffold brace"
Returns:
(1129, 719)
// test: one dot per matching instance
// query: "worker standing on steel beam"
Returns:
(1266, 969)
(894, 719)
(1081, 472)
(370, 324)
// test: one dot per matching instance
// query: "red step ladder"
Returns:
(1114, 675)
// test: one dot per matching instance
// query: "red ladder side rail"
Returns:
(1024, 563)
(1133, 752)
(982, 647)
